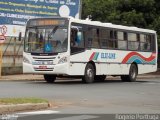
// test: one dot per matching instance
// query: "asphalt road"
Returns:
(74, 97)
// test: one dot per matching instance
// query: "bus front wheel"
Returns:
(50, 78)
(89, 74)
(133, 72)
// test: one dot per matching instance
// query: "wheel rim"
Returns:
(133, 73)
(90, 73)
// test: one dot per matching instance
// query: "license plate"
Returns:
(42, 67)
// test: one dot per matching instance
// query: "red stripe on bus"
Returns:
(92, 56)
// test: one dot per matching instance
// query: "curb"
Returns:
(21, 79)
(6, 109)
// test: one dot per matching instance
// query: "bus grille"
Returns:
(50, 58)
(43, 69)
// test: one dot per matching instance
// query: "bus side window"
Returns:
(73, 38)
(77, 38)
(89, 35)
(89, 42)
(133, 43)
(145, 42)
(153, 43)
(148, 41)
(104, 36)
(96, 41)
(122, 40)
(112, 43)
(80, 39)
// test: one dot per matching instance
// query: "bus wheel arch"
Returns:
(133, 72)
(89, 73)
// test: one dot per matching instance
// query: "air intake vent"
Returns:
(51, 58)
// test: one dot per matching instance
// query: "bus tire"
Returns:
(133, 72)
(50, 78)
(100, 78)
(89, 74)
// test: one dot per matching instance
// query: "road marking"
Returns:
(39, 112)
(80, 117)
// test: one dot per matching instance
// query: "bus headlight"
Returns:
(62, 60)
(25, 60)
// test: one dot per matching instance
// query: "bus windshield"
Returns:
(51, 39)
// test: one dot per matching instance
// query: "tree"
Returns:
(100, 9)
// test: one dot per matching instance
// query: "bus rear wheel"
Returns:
(50, 78)
(133, 72)
(89, 74)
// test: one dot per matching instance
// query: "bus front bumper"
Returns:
(59, 69)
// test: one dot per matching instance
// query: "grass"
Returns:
(7, 101)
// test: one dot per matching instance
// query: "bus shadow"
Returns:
(120, 81)
(97, 82)
(79, 81)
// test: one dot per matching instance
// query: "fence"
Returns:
(12, 51)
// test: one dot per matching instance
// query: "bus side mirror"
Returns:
(20, 36)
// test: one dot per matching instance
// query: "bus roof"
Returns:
(98, 23)
(110, 25)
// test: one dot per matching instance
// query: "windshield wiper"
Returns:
(52, 32)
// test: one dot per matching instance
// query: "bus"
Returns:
(88, 49)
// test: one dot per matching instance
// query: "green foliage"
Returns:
(140, 13)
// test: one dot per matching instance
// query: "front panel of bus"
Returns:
(46, 48)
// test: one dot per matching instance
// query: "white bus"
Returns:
(88, 49)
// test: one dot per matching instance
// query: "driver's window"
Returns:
(80, 39)
(74, 37)
(77, 38)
